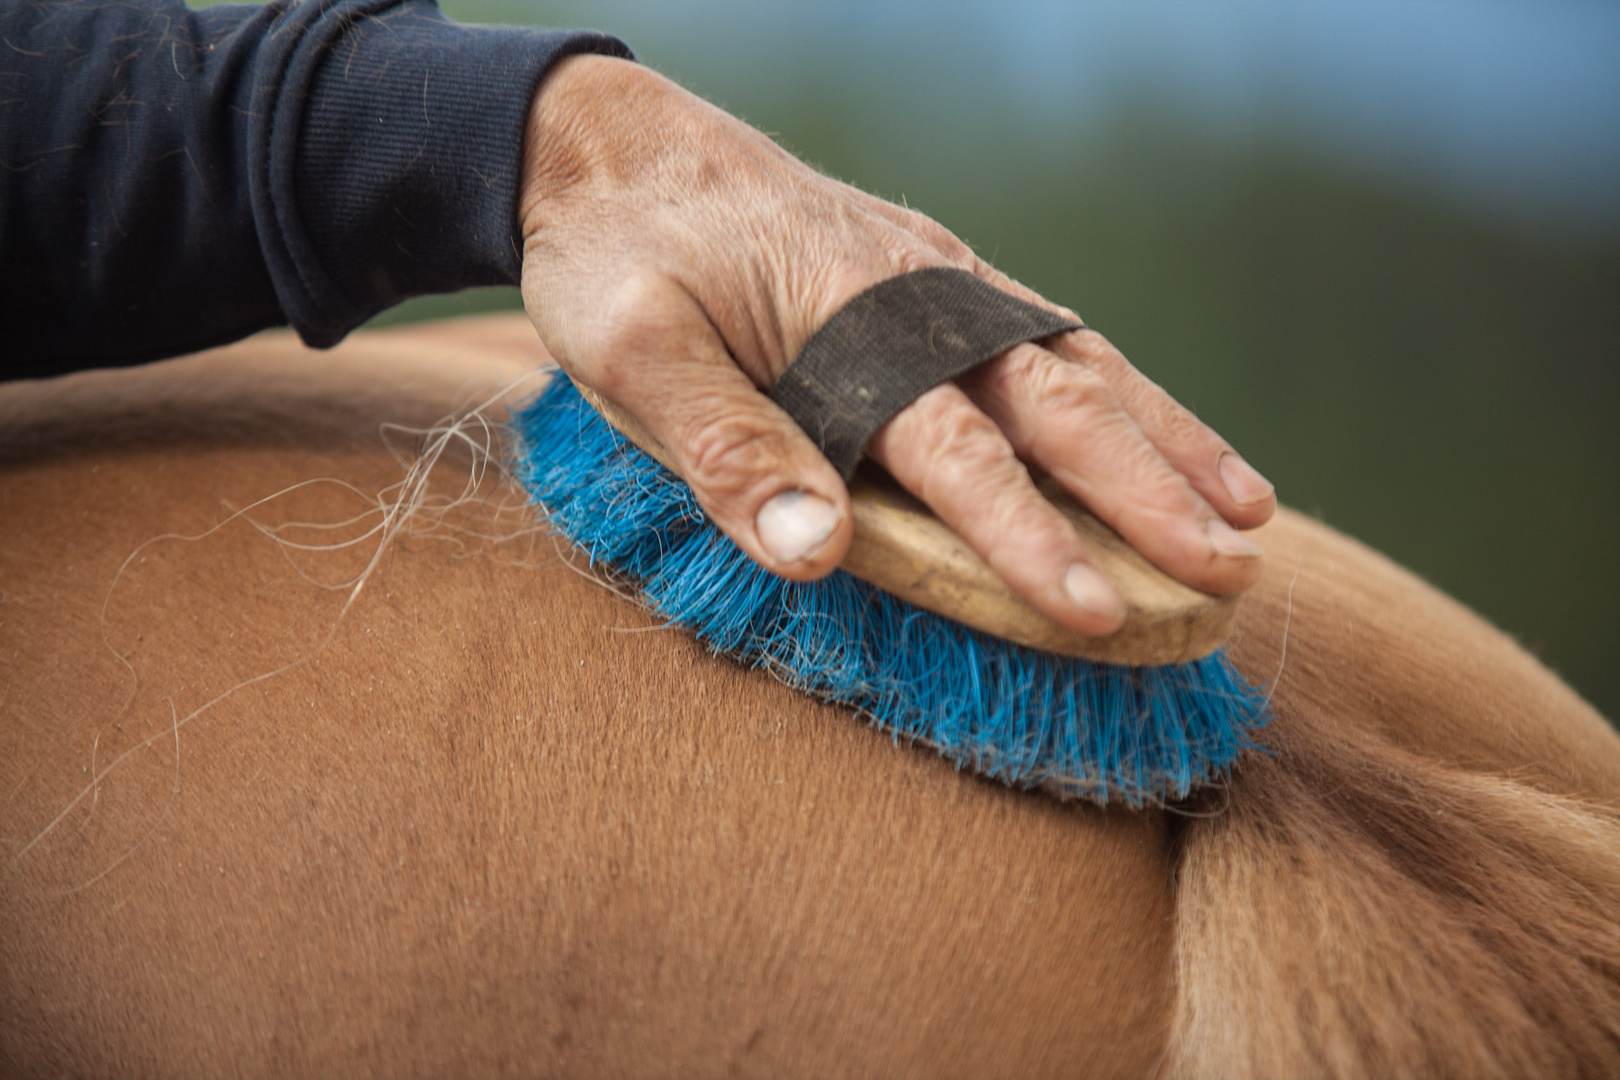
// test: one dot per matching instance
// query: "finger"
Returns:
(1067, 419)
(1227, 482)
(1219, 473)
(764, 483)
(950, 455)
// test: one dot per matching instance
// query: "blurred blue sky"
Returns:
(1512, 106)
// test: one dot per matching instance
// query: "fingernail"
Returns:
(1228, 541)
(794, 524)
(1242, 482)
(1092, 591)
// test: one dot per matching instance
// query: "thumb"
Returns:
(752, 469)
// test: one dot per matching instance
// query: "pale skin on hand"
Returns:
(676, 260)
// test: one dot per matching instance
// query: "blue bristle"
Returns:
(1099, 731)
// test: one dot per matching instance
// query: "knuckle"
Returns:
(968, 454)
(920, 243)
(1089, 349)
(1170, 422)
(908, 256)
(1067, 387)
(945, 242)
(923, 226)
(729, 456)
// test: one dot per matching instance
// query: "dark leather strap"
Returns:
(894, 342)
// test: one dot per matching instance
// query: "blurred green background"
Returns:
(1386, 279)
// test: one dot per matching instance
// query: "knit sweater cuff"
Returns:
(397, 174)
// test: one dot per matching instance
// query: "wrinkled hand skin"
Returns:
(676, 260)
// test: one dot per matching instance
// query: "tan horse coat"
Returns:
(497, 822)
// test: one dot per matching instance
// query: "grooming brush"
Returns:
(913, 630)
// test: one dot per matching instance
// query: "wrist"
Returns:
(582, 125)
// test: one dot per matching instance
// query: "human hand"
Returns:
(676, 261)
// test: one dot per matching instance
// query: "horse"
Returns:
(320, 755)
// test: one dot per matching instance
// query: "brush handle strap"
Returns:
(893, 343)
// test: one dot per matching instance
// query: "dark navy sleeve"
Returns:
(174, 179)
